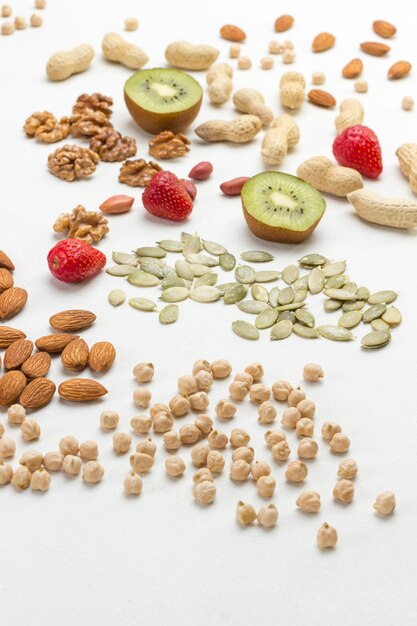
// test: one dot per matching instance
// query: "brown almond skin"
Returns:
(283, 23)
(321, 98)
(102, 356)
(12, 301)
(384, 29)
(75, 355)
(8, 335)
(323, 42)
(374, 48)
(37, 365)
(400, 69)
(72, 320)
(11, 386)
(232, 33)
(17, 353)
(353, 69)
(81, 390)
(54, 344)
(5, 261)
(117, 204)
(6, 279)
(38, 393)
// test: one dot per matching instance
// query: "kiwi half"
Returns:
(281, 207)
(163, 99)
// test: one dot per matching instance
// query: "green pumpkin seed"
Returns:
(245, 274)
(122, 258)
(185, 236)
(350, 319)
(235, 294)
(379, 324)
(351, 288)
(281, 330)
(312, 260)
(290, 274)
(199, 270)
(205, 294)
(259, 292)
(223, 287)
(382, 297)
(252, 306)
(227, 262)
(336, 282)
(256, 256)
(363, 293)
(171, 245)
(201, 259)
(212, 247)
(184, 270)
(286, 296)
(266, 319)
(206, 279)
(305, 317)
(245, 330)
(192, 245)
(173, 281)
(304, 331)
(335, 333)
(116, 297)
(355, 305)
(148, 265)
(168, 272)
(287, 315)
(174, 294)
(143, 304)
(376, 339)
(143, 279)
(273, 297)
(339, 294)
(267, 276)
(293, 306)
(121, 270)
(150, 251)
(160, 262)
(331, 305)
(169, 314)
(392, 316)
(316, 280)
(300, 295)
(334, 269)
(375, 311)
(301, 283)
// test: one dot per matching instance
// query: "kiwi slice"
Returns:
(163, 99)
(281, 207)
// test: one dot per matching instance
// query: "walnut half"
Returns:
(45, 127)
(90, 226)
(111, 146)
(166, 145)
(71, 162)
(138, 173)
(93, 102)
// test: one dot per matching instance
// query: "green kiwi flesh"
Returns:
(281, 207)
(163, 99)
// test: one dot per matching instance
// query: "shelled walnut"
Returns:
(44, 126)
(90, 226)
(71, 162)
(138, 173)
(93, 102)
(111, 146)
(166, 145)
(89, 123)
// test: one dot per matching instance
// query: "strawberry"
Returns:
(166, 197)
(73, 261)
(358, 147)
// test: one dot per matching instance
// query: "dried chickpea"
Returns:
(7, 447)
(32, 459)
(267, 516)
(199, 455)
(221, 368)
(199, 401)
(187, 385)
(142, 398)
(218, 440)
(6, 473)
(307, 448)
(304, 427)
(275, 47)
(205, 492)
(69, 445)
(109, 420)
(131, 23)
(243, 454)
(259, 393)
(290, 417)
(344, 491)
(204, 380)
(30, 430)
(7, 28)
(204, 424)
(309, 501)
(307, 408)
(360, 86)
(295, 396)
(234, 51)
(260, 468)
(36, 20)
(288, 45)
(281, 389)
(239, 470)
(239, 438)
(133, 484)
(147, 447)
(172, 441)
(244, 63)
(245, 513)
(281, 451)
(385, 503)
(121, 442)
(312, 372)
(141, 462)
(266, 486)
(288, 56)
(202, 475)
(16, 414)
(89, 450)
(329, 429)
(267, 63)
(19, 23)
(21, 478)
(40, 4)
(157, 408)
(266, 413)
(71, 465)
(174, 466)
(348, 469)
(238, 390)
(215, 461)
(199, 365)
(256, 371)
(339, 443)
(40, 480)
(317, 78)
(225, 410)
(93, 472)
(326, 536)
(296, 472)
(244, 377)
(274, 436)
(6, 10)
(179, 406)
(407, 103)
(189, 434)
(163, 422)
(144, 372)
(52, 461)
(141, 424)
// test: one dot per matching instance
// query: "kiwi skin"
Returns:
(272, 233)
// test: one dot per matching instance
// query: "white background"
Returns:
(80, 555)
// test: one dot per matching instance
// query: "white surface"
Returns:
(80, 555)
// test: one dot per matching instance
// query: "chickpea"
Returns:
(40, 4)
(131, 23)
(360, 86)
(326, 536)
(239, 470)
(317, 78)
(6, 10)
(268, 516)
(172, 441)
(32, 459)
(16, 414)
(281, 450)
(281, 389)
(205, 492)
(266, 413)
(175, 466)
(407, 103)
(243, 454)
(199, 455)
(141, 424)
(144, 372)
(204, 380)
(19, 23)
(348, 469)
(287, 45)
(179, 406)
(288, 56)
(6, 473)
(312, 372)
(329, 429)
(187, 385)
(225, 410)
(71, 465)
(7, 447)
(141, 462)
(339, 443)
(307, 448)
(290, 417)
(309, 501)
(260, 468)
(93, 472)
(245, 513)
(142, 398)
(344, 491)
(204, 424)
(147, 447)
(133, 484)
(89, 450)
(267, 63)
(266, 486)
(218, 440)
(199, 365)
(385, 503)
(256, 371)
(259, 393)
(244, 63)
(121, 442)
(109, 420)
(304, 427)
(69, 445)
(30, 430)
(158, 408)
(21, 478)
(215, 461)
(296, 472)
(275, 47)
(189, 434)
(238, 390)
(221, 368)
(239, 438)
(234, 51)
(163, 422)
(274, 436)
(295, 396)
(7, 28)
(244, 377)
(52, 461)
(202, 475)
(199, 401)
(36, 20)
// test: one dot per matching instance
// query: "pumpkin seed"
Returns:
(143, 279)
(363, 293)
(281, 330)
(143, 304)
(267, 276)
(375, 311)
(235, 294)
(205, 294)
(201, 259)
(316, 280)
(245, 330)
(121, 270)
(335, 333)
(252, 306)
(355, 305)
(245, 274)
(273, 297)
(304, 331)
(290, 307)
(150, 251)
(116, 297)
(171, 245)
(174, 294)
(312, 260)
(227, 262)
(199, 270)
(379, 324)
(336, 282)
(206, 279)
(214, 248)
(300, 295)
(223, 287)
(259, 292)
(334, 269)
(122, 258)
(192, 245)
(376, 339)
(266, 319)
(301, 283)
(159, 262)
(382, 297)
(148, 265)
(173, 281)
(184, 270)
(169, 314)
(185, 236)
(305, 317)
(339, 294)
(290, 274)
(351, 288)
(331, 305)
(392, 316)
(286, 315)
(350, 319)
(168, 272)
(286, 296)
(256, 256)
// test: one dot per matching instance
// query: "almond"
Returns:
(399, 69)
(321, 98)
(75, 355)
(6, 279)
(71, 320)
(38, 393)
(5, 261)
(8, 335)
(375, 48)
(232, 33)
(11, 386)
(17, 353)
(384, 29)
(37, 365)
(81, 390)
(283, 23)
(353, 69)
(323, 41)
(102, 355)
(12, 301)
(117, 204)
(54, 343)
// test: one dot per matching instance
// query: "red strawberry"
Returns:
(358, 147)
(166, 197)
(73, 261)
